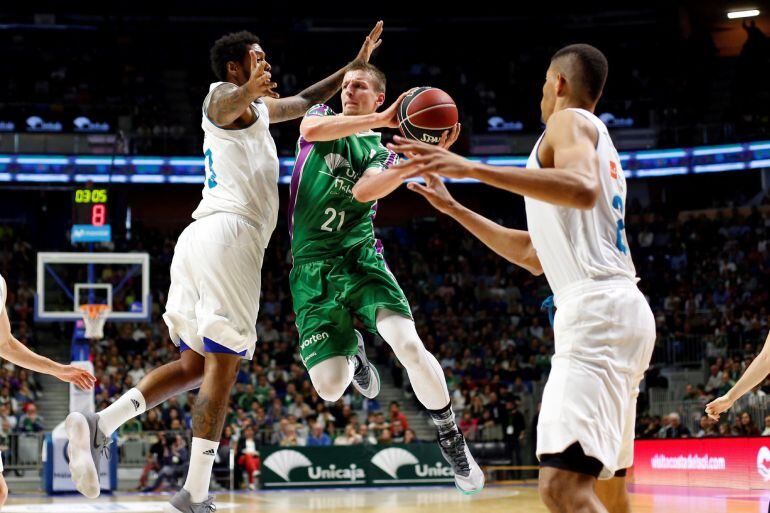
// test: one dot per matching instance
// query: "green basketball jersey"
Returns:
(324, 218)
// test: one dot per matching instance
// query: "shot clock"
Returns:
(90, 219)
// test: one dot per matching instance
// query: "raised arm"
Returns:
(230, 103)
(754, 375)
(293, 107)
(573, 181)
(513, 245)
(19, 354)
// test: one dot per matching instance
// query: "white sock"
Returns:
(202, 455)
(128, 406)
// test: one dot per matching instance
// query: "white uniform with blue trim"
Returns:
(604, 329)
(216, 271)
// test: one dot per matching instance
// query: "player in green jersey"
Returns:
(339, 270)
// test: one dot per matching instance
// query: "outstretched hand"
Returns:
(427, 158)
(259, 83)
(371, 43)
(81, 378)
(435, 192)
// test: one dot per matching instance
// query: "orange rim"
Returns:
(94, 311)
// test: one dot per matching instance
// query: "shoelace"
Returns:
(454, 447)
(209, 503)
(362, 374)
(104, 446)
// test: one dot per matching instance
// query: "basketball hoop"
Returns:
(94, 317)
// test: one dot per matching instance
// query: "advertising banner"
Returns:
(361, 465)
(731, 462)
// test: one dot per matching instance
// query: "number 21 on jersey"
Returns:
(328, 226)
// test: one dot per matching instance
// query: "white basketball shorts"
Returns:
(604, 334)
(216, 271)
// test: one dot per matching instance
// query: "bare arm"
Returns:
(756, 372)
(378, 183)
(230, 103)
(295, 106)
(330, 128)
(19, 354)
(513, 245)
(572, 182)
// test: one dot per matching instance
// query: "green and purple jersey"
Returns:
(325, 220)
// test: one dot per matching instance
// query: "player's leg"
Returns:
(331, 377)
(429, 385)
(613, 493)
(379, 302)
(567, 480)
(3, 488)
(208, 417)
(229, 254)
(160, 384)
(89, 434)
(330, 348)
(424, 371)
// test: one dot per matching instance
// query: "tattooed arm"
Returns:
(229, 105)
(294, 107)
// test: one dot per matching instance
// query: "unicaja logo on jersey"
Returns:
(313, 339)
(286, 460)
(335, 161)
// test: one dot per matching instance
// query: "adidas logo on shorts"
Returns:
(135, 403)
(210, 452)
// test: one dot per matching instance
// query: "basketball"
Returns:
(426, 113)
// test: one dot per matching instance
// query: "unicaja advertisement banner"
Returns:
(286, 467)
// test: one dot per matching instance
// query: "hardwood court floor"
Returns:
(494, 499)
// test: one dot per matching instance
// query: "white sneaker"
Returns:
(366, 379)
(84, 449)
(469, 478)
(181, 502)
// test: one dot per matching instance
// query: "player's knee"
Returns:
(410, 352)
(555, 492)
(330, 387)
(549, 493)
(223, 368)
(193, 366)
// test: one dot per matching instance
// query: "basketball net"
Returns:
(94, 317)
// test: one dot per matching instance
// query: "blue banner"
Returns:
(89, 233)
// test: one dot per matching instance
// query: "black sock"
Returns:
(444, 419)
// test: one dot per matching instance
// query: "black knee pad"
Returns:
(573, 459)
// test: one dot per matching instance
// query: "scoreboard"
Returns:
(90, 216)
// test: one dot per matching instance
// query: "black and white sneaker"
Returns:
(469, 478)
(85, 447)
(366, 379)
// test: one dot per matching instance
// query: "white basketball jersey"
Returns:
(241, 169)
(574, 244)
